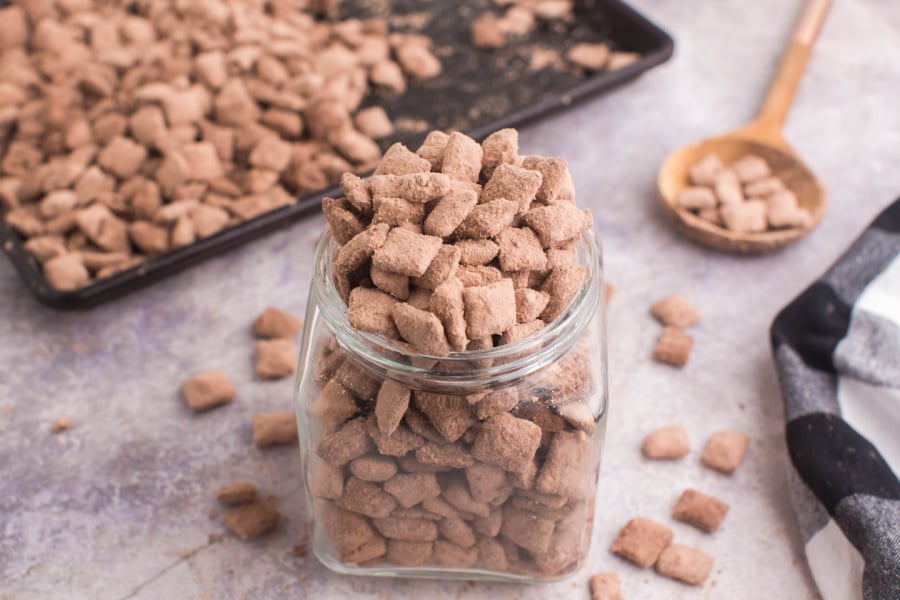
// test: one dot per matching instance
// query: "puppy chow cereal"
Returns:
(641, 541)
(685, 564)
(447, 254)
(744, 196)
(724, 451)
(700, 510)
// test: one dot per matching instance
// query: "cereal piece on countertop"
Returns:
(520, 250)
(562, 285)
(674, 310)
(373, 468)
(667, 442)
(421, 328)
(751, 168)
(507, 442)
(553, 172)
(447, 554)
(589, 56)
(60, 424)
(685, 564)
(276, 323)
(410, 489)
(462, 158)
(725, 450)
(399, 443)
(447, 304)
(565, 470)
(705, 171)
(395, 284)
(489, 309)
(275, 358)
(344, 224)
(746, 217)
(606, 586)
(272, 428)
(697, 198)
(442, 267)
(700, 510)
(609, 290)
(728, 187)
(673, 347)
(530, 304)
(449, 212)
(558, 224)
(390, 406)
(207, 390)
(400, 160)
(66, 272)
(763, 188)
(370, 310)
(345, 444)
(432, 149)
(366, 499)
(641, 541)
(501, 147)
(409, 554)
(251, 520)
(526, 530)
(405, 529)
(406, 252)
(327, 482)
(510, 182)
(236, 492)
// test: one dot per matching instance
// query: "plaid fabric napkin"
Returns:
(837, 351)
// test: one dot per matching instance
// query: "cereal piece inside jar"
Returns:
(460, 298)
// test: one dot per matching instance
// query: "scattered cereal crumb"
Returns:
(275, 323)
(700, 510)
(641, 541)
(673, 347)
(685, 564)
(251, 520)
(674, 310)
(60, 424)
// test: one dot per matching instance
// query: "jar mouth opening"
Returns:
(499, 364)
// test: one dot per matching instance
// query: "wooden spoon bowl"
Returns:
(762, 138)
(785, 164)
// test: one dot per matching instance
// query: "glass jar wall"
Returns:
(479, 465)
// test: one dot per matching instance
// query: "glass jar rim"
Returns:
(501, 364)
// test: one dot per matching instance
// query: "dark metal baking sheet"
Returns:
(478, 93)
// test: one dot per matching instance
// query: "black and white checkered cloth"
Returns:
(837, 350)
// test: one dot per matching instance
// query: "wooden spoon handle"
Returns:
(793, 63)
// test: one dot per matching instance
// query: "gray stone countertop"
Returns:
(122, 505)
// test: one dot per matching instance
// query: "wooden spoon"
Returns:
(763, 138)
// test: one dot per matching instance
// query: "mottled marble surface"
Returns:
(122, 506)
